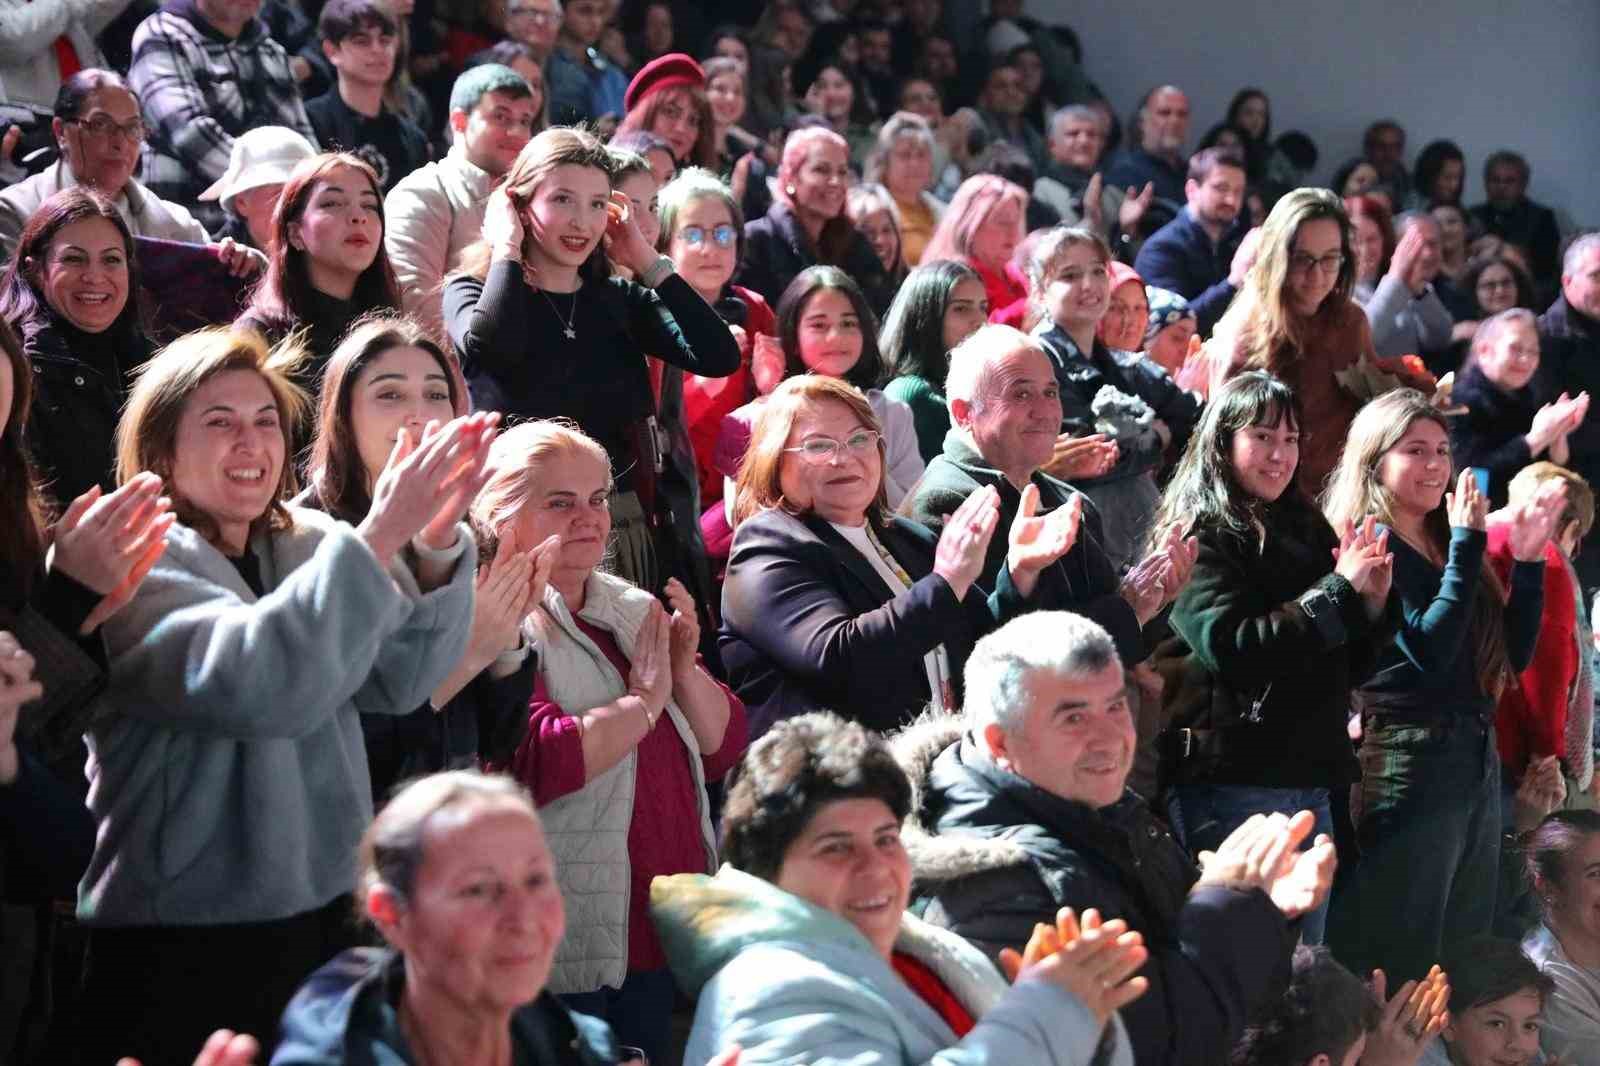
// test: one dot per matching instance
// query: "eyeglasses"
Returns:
(694, 236)
(1301, 263)
(103, 126)
(537, 16)
(1490, 285)
(820, 450)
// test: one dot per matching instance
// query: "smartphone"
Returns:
(1480, 474)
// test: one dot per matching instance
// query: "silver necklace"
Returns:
(566, 323)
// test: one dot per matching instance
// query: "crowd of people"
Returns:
(543, 532)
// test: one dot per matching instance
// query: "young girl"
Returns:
(702, 229)
(385, 376)
(543, 331)
(826, 328)
(1280, 629)
(1427, 812)
(326, 263)
(941, 304)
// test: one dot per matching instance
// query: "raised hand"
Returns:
(1097, 966)
(1244, 258)
(685, 629)
(1093, 216)
(504, 598)
(427, 486)
(224, 1048)
(17, 687)
(1466, 507)
(768, 364)
(1406, 263)
(502, 226)
(624, 243)
(544, 556)
(1262, 853)
(108, 543)
(1037, 542)
(964, 543)
(1081, 457)
(1534, 521)
(650, 678)
(1134, 205)
(1414, 1015)
(1364, 560)
(241, 260)
(1543, 789)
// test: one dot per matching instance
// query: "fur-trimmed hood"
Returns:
(940, 857)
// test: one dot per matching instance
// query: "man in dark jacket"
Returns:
(1569, 348)
(1021, 809)
(1199, 255)
(1511, 216)
(1005, 408)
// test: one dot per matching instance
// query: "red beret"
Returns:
(663, 72)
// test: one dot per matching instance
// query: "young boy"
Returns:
(361, 39)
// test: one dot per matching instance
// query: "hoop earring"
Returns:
(789, 190)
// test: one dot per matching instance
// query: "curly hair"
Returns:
(1324, 1011)
(800, 765)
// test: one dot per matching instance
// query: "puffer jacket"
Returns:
(992, 854)
(790, 982)
(348, 1014)
(431, 216)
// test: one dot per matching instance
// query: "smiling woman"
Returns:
(328, 265)
(800, 948)
(71, 292)
(543, 330)
(252, 849)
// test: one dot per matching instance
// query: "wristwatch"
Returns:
(1324, 614)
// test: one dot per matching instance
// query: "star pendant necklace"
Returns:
(566, 323)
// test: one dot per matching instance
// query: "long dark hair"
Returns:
(1250, 92)
(285, 289)
(1430, 162)
(912, 341)
(336, 471)
(22, 514)
(22, 300)
(868, 371)
(1204, 491)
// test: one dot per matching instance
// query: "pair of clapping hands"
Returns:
(1034, 541)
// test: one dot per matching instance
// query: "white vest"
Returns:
(588, 829)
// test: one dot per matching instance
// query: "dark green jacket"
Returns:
(1083, 581)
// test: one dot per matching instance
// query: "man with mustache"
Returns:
(1022, 809)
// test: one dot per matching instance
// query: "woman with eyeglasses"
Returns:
(831, 602)
(98, 135)
(1295, 318)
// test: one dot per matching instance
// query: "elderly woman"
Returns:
(873, 213)
(1120, 395)
(1122, 327)
(903, 164)
(98, 129)
(807, 224)
(1562, 854)
(800, 949)
(230, 782)
(829, 602)
(72, 295)
(457, 876)
(1168, 329)
(624, 730)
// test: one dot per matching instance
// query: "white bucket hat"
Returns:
(262, 156)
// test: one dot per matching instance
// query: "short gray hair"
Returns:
(1492, 325)
(1581, 246)
(900, 126)
(997, 672)
(1076, 111)
(970, 360)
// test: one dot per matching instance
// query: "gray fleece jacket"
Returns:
(231, 785)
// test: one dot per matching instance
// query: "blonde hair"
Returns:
(977, 198)
(147, 433)
(759, 484)
(1270, 334)
(515, 459)
(1580, 496)
(558, 146)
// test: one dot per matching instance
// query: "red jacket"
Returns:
(1531, 720)
(707, 400)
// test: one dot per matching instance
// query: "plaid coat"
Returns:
(199, 90)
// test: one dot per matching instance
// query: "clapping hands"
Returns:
(1156, 580)
(1037, 541)
(427, 485)
(1533, 522)
(1543, 789)
(1363, 559)
(108, 543)
(1095, 961)
(1414, 1015)
(964, 543)
(1075, 458)
(1263, 853)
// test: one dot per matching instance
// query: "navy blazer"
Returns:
(1180, 256)
(809, 625)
